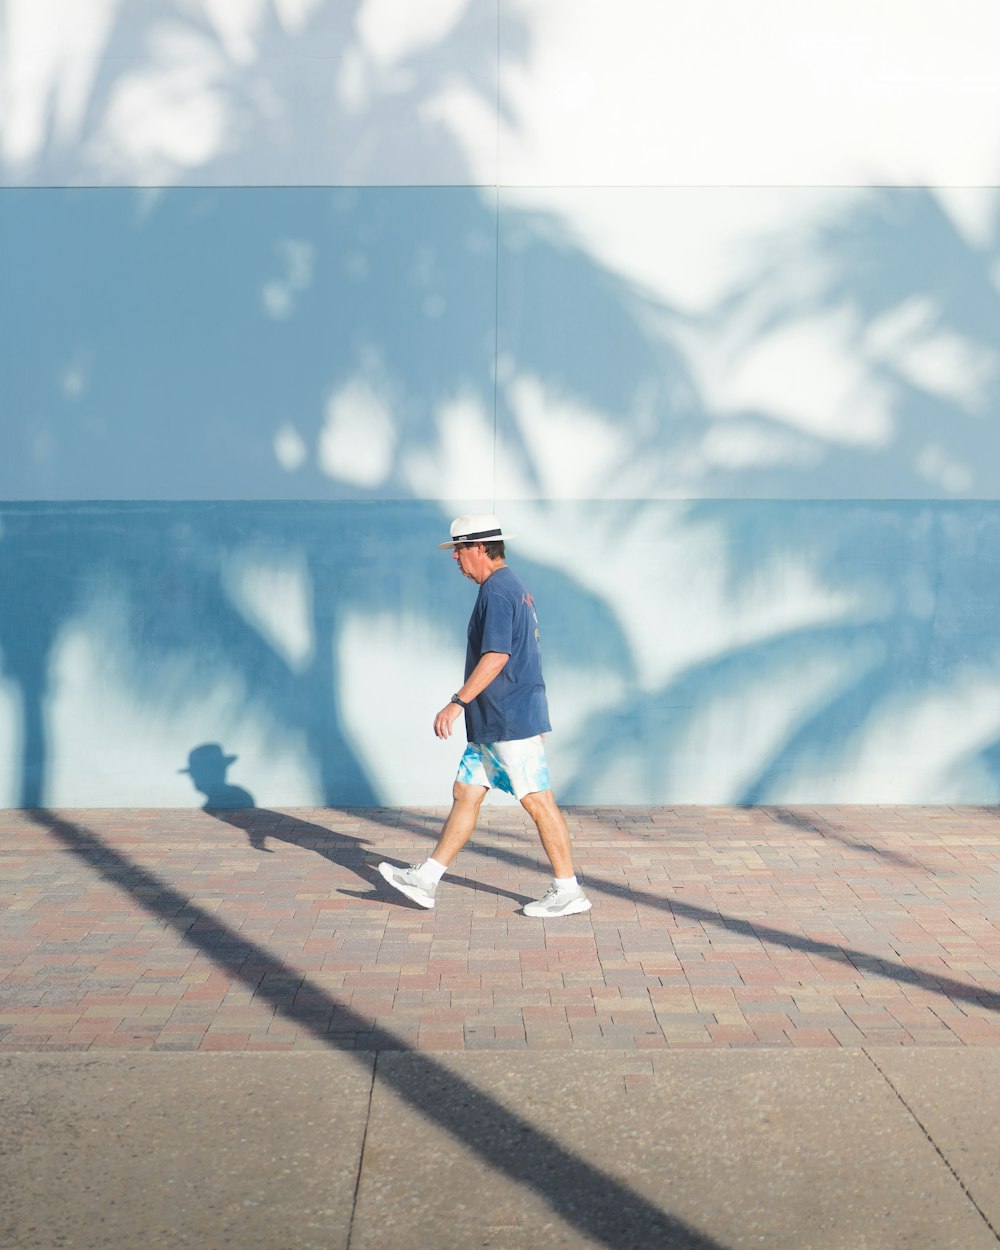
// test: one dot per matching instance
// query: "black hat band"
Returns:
(474, 538)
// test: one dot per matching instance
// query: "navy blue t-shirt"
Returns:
(513, 705)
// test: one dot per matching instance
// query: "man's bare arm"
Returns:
(490, 665)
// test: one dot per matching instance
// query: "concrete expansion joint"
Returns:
(361, 1151)
(937, 1149)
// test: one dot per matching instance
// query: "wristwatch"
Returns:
(455, 699)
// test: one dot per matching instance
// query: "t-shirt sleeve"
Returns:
(498, 625)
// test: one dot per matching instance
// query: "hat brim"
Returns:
(466, 542)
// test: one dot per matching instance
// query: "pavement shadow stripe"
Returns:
(582, 1195)
(957, 991)
(947, 987)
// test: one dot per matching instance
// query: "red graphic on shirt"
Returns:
(528, 601)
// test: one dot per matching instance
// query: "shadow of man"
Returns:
(233, 805)
(207, 766)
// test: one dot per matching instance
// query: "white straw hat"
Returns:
(482, 527)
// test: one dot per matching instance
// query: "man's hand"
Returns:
(445, 719)
(490, 664)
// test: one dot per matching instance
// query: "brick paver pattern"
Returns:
(718, 927)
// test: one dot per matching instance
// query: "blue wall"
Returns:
(124, 628)
(734, 387)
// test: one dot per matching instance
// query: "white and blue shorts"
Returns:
(519, 767)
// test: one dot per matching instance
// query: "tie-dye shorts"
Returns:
(518, 767)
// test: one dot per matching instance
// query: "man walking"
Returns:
(506, 714)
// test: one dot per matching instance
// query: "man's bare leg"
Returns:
(541, 806)
(420, 882)
(565, 896)
(458, 828)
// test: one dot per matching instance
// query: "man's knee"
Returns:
(538, 801)
(466, 795)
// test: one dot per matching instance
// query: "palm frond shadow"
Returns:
(402, 300)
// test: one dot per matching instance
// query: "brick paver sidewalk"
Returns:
(261, 930)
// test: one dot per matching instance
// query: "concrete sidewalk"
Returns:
(776, 1027)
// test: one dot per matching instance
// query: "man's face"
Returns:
(470, 560)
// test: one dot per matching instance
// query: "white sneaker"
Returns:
(556, 902)
(408, 881)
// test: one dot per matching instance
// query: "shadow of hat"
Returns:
(209, 756)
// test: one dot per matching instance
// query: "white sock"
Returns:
(565, 883)
(432, 870)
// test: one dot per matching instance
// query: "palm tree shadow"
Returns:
(414, 311)
(827, 829)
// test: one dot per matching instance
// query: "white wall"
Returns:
(387, 92)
